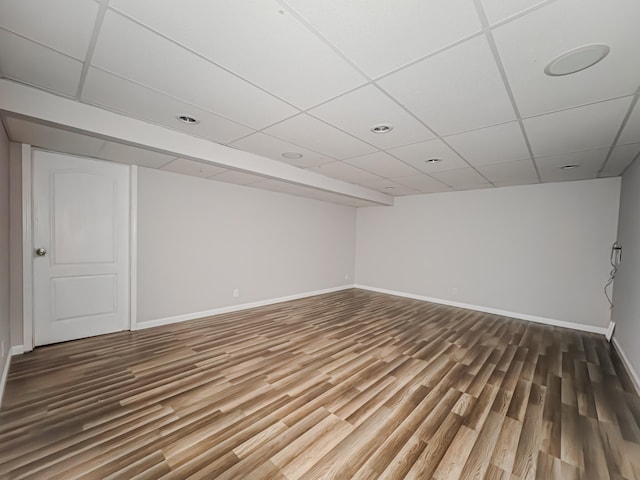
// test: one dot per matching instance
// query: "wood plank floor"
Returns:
(349, 385)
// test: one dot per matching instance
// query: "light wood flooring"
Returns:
(349, 385)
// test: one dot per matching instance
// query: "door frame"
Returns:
(28, 319)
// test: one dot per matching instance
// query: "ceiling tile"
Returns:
(621, 157)
(51, 138)
(194, 169)
(498, 10)
(510, 173)
(358, 111)
(292, 60)
(382, 164)
(392, 188)
(347, 173)
(461, 178)
(501, 143)
(121, 153)
(34, 64)
(563, 26)
(590, 162)
(423, 183)
(382, 36)
(271, 147)
(418, 153)
(456, 90)
(242, 67)
(162, 65)
(315, 135)
(239, 178)
(631, 132)
(65, 25)
(120, 95)
(576, 129)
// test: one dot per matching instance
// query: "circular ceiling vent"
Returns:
(576, 60)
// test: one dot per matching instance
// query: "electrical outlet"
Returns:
(346, 276)
(236, 292)
(454, 292)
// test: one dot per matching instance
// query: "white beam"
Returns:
(24, 101)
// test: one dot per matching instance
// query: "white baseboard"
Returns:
(6, 362)
(495, 311)
(233, 308)
(17, 350)
(632, 373)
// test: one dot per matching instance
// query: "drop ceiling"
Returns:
(461, 81)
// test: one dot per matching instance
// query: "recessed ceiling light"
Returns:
(382, 128)
(433, 160)
(389, 188)
(188, 119)
(576, 60)
(569, 167)
(292, 155)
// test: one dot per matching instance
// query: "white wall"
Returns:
(15, 242)
(626, 292)
(537, 250)
(198, 240)
(5, 341)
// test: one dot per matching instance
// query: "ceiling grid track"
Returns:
(43, 45)
(206, 59)
(102, 10)
(634, 102)
(507, 86)
(486, 30)
(371, 81)
(442, 139)
(166, 95)
(463, 89)
(635, 159)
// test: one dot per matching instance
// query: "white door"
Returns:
(81, 247)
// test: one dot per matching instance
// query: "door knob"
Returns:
(41, 252)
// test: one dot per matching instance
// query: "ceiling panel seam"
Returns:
(312, 29)
(44, 45)
(206, 59)
(573, 107)
(486, 30)
(521, 14)
(344, 57)
(304, 22)
(607, 124)
(147, 87)
(635, 159)
(505, 80)
(97, 26)
(439, 137)
(634, 102)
